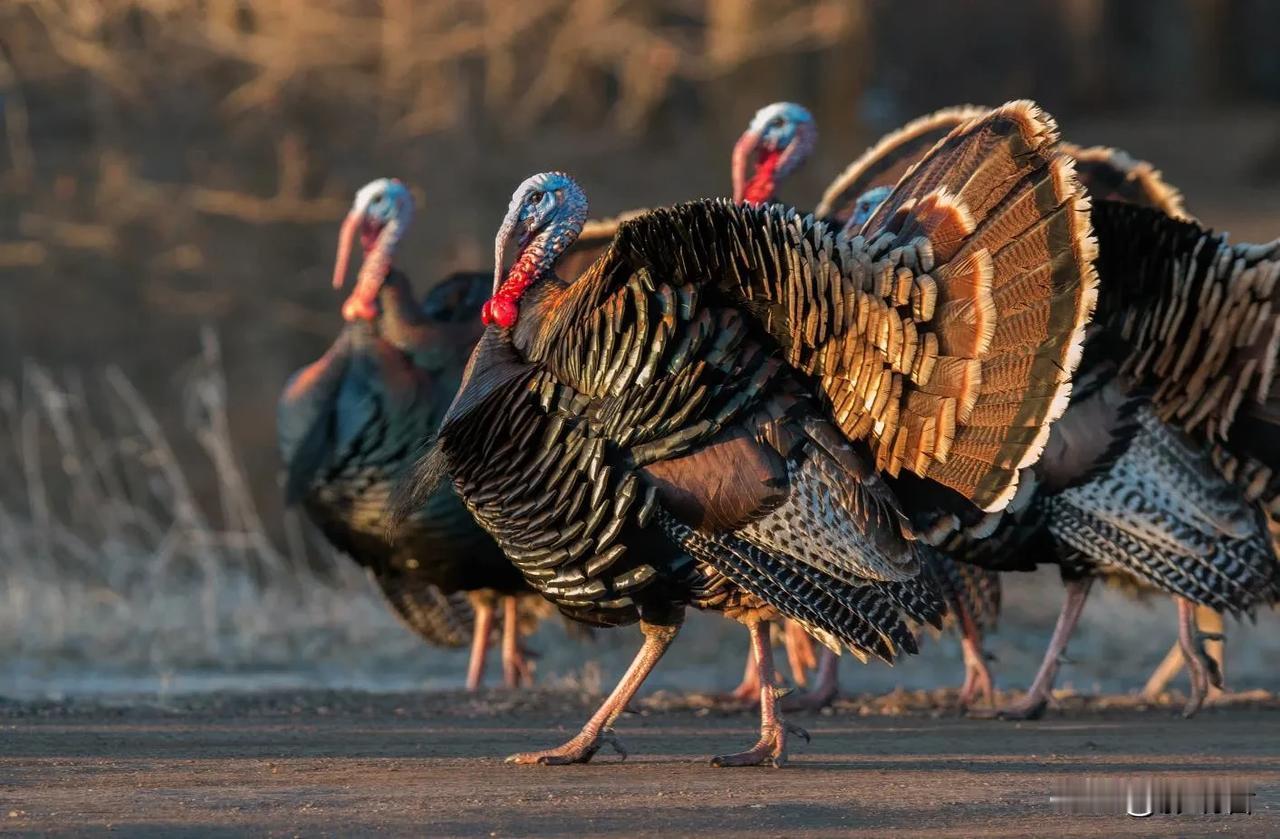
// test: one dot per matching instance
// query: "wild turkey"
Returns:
(778, 140)
(1207, 355)
(776, 143)
(1081, 517)
(703, 417)
(849, 201)
(350, 423)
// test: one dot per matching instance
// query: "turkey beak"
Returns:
(743, 151)
(502, 247)
(362, 304)
(346, 238)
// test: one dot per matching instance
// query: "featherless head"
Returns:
(865, 207)
(545, 217)
(380, 215)
(780, 137)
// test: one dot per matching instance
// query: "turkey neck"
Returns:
(401, 323)
(538, 308)
(399, 315)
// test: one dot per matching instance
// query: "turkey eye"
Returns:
(776, 122)
(536, 197)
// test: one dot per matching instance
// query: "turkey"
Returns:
(1101, 513)
(707, 416)
(776, 143)
(350, 423)
(849, 201)
(778, 140)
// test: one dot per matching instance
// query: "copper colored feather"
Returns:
(885, 163)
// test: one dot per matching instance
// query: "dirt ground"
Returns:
(350, 763)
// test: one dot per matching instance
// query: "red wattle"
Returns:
(499, 311)
(761, 187)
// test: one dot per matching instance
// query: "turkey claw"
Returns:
(578, 750)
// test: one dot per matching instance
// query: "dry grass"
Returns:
(110, 564)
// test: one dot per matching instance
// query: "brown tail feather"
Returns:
(887, 161)
(1007, 222)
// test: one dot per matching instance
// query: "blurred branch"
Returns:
(13, 110)
(22, 254)
(258, 210)
(77, 34)
(408, 64)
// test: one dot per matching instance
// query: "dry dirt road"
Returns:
(349, 764)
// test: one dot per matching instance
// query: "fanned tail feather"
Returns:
(1007, 224)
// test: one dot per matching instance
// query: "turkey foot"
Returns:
(825, 687)
(580, 749)
(599, 729)
(1202, 669)
(771, 748)
(1032, 706)
(517, 670)
(977, 676)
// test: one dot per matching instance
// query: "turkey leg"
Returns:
(480, 633)
(1207, 619)
(516, 669)
(977, 676)
(800, 653)
(800, 658)
(599, 729)
(1202, 669)
(825, 687)
(1032, 706)
(771, 748)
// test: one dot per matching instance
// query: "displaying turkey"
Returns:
(778, 140)
(1127, 495)
(849, 201)
(350, 424)
(705, 415)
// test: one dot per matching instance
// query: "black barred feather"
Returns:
(969, 590)
(444, 620)
(1200, 323)
(1165, 516)
(833, 611)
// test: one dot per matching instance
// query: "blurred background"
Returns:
(172, 176)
